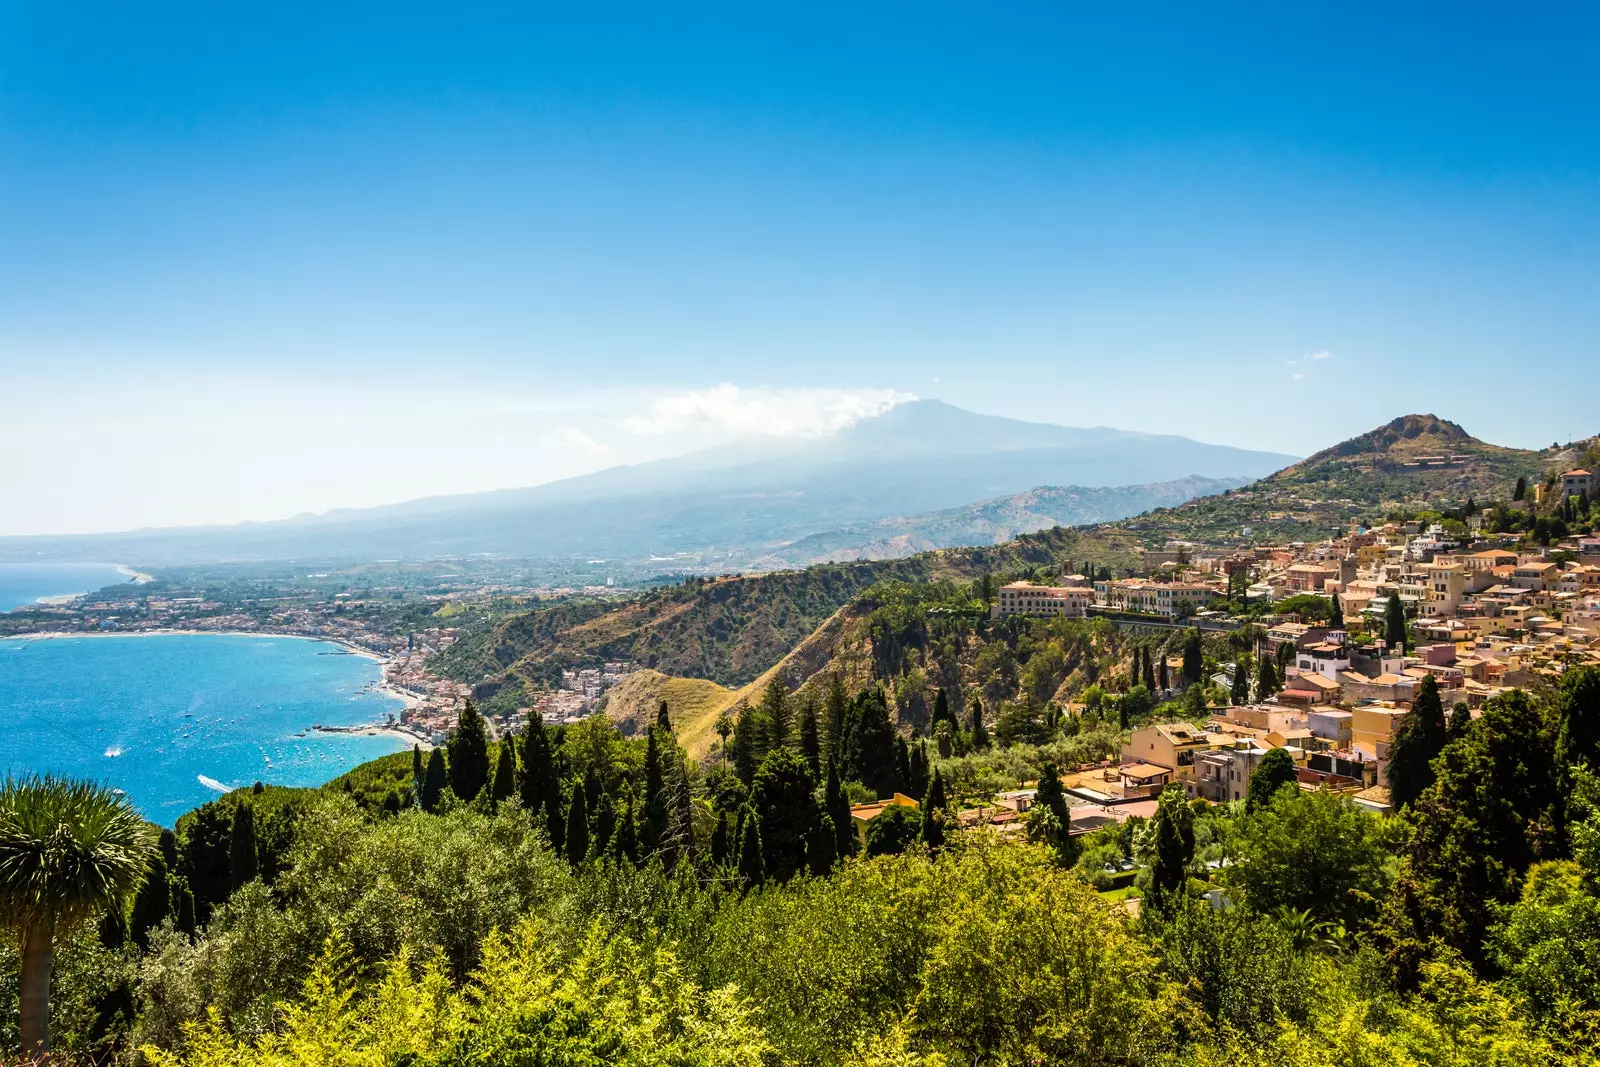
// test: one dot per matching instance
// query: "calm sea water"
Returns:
(24, 583)
(172, 719)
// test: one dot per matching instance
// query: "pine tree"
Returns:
(822, 846)
(469, 753)
(577, 829)
(810, 738)
(746, 747)
(752, 867)
(980, 736)
(654, 830)
(433, 780)
(1275, 771)
(833, 717)
(1417, 738)
(719, 841)
(869, 747)
(933, 812)
(1241, 682)
(1394, 623)
(1193, 665)
(242, 846)
(778, 712)
(663, 720)
(783, 797)
(505, 772)
(1460, 719)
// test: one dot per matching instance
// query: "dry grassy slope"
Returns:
(693, 705)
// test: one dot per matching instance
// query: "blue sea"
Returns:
(22, 584)
(175, 719)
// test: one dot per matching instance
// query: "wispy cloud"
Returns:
(1297, 375)
(727, 408)
(1324, 354)
(574, 440)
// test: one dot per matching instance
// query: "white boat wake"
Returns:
(212, 783)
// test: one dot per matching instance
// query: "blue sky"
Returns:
(293, 258)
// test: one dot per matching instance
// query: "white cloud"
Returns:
(764, 412)
(1297, 376)
(1324, 354)
(573, 439)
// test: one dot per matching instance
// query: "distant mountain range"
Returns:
(989, 522)
(719, 508)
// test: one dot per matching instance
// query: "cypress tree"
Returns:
(1521, 491)
(1050, 794)
(902, 764)
(784, 799)
(536, 777)
(822, 846)
(663, 720)
(654, 830)
(469, 753)
(577, 829)
(870, 750)
(941, 711)
(919, 768)
(433, 780)
(746, 747)
(778, 712)
(1161, 673)
(719, 841)
(416, 772)
(505, 772)
(833, 717)
(1394, 623)
(153, 903)
(1418, 737)
(933, 809)
(837, 807)
(811, 739)
(1241, 682)
(1266, 678)
(555, 825)
(183, 908)
(591, 789)
(980, 736)
(1149, 673)
(1193, 664)
(242, 846)
(627, 840)
(605, 825)
(1174, 848)
(1336, 610)
(752, 868)
(682, 824)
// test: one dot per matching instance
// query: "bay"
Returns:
(22, 584)
(161, 716)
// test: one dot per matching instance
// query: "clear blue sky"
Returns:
(495, 241)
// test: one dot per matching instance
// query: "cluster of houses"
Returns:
(1484, 616)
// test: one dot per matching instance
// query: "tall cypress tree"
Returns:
(837, 807)
(242, 847)
(777, 715)
(1050, 794)
(822, 846)
(870, 751)
(417, 773)
(1336, 610)
(1241, 682)
(1193, 663)
(933, 811)
(719, 841)
(747, 746)
(810, 738)
(469, 753)
(654, 830)
(1174, 848)
(941, 711)
(663, 720)
(902, 764)
(1418, 737)
(1394, 623)
(1149, 673)
(627, 839)
(433, 780)
(505, 772)
(919, 769)
(577, 828)
(1521, 491)
(1162, 680)
(980, 736)
(833, 717)
(605, 825)
(784, 799)
(555, 824)
(153, 903)
(752, 866)
(536, 778)
(1266, 678)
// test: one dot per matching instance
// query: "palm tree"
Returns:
(68, 849)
